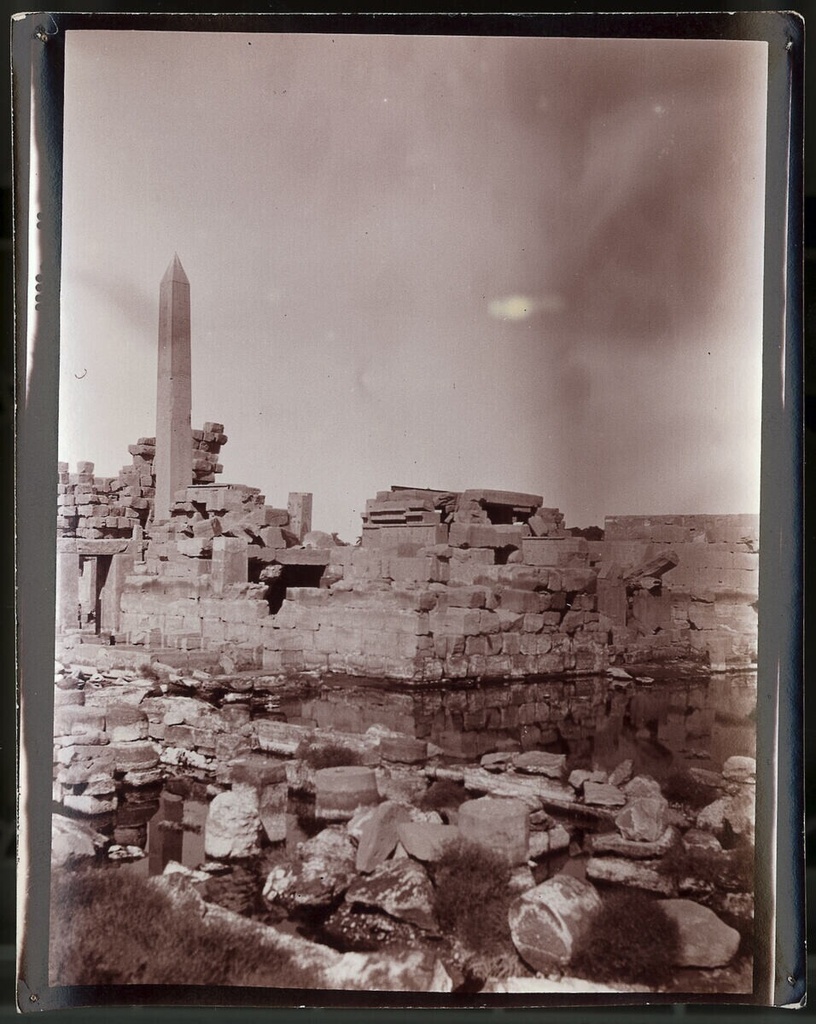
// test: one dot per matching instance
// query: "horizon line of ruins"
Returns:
(161, 556)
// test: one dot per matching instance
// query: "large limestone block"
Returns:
(340, 791)
(233, 824)
(705, 940)
(323, 872)
(403, 749)
(546, 922)
(378, 835)
(501, 824)
(401, 888)
(643, 819)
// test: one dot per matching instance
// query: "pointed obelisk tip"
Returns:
(175, 271)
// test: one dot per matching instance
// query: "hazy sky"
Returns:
(441, 262)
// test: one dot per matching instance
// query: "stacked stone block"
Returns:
(98, 508)
(91, 507)
(443, 612)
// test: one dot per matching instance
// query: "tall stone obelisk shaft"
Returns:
(174, 455)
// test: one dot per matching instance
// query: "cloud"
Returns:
(521, 307)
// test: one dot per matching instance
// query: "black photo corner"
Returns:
(11, 381)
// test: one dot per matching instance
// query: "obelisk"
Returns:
(174, 453)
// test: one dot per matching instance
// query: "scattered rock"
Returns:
(233, 824)
(378, 835)
(612, 843)
(601, 794)
(125, 723)
(324, 870)
(426, 841)
(401, 888)
(622, 774)
(579, 776)
(73, 841)
(548, 920)
(542, 844)
(705, 940)
(642, 785)
(643, 819)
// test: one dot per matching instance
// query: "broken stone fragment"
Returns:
(401, 888)
(542, 844)
(612, 843)
(378, 835)
(643, 819)
(601, 794)
(426, 841)
(233, 824)
(622, 774)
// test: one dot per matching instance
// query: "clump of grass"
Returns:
(327, 755)
(681, 787)
(732, 870)
(630, 939)
(111, 927)
(443, 795)
(472, 899)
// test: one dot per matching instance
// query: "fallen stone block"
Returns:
(548, 921)
(340, 791)
(378, 835)
(400, 888)
(617, 845)
(503, 825)
(639, 874)
(425, 840)
(705, 940)
(542, 844)
(539, 762)
(601, 794)
(643, 819)
(233, 824)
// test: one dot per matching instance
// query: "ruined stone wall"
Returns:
(99, 508)
(442, 613)
(706, 602)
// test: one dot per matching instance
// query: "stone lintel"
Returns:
(304, 556)
(514, 499)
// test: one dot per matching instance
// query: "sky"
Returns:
(522, 263)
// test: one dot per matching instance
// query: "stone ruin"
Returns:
(443, 585)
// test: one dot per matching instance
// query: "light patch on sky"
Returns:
(451, 262)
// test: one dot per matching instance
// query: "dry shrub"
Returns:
(327, 755)
(681, 787)
(731, 870)
(630, 940)
(112, 927)
(472, 898)
(443, 794)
